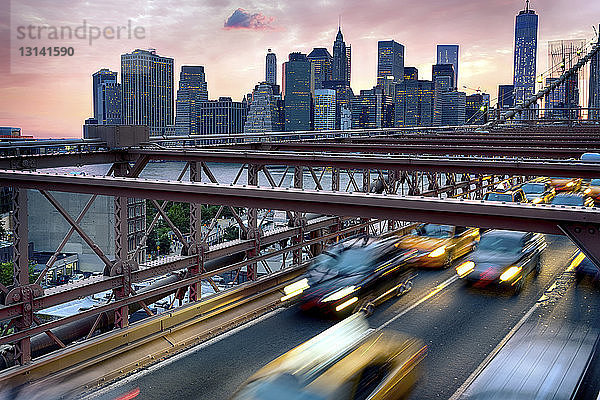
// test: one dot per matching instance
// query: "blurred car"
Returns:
(356, 274)
(439, 245)
(347, 361)
(538, 192)
(583, 266)
(502, 186)
(503, 258)
(593, 191)
(572, 199)
(565, 184)
(514, 195)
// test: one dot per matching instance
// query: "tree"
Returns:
(6, 274)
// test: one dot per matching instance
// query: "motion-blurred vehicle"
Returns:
(439, 245)
(583, 266)
(503, 258)
(347, 361)
(572, 199)
(593, 190)
(356, 274)
(538, 192)
(565, 184)
(513, 195)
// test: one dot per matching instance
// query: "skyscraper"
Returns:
(526, 26)
(594, 100)
(506, 97)
(411, 73)
(147, 90)
(222, 116)
(562, 55)
(324, 114)
(348, 64)
(106, 97)
(448, 54)
(321, 61)
(271, 68)
(444, 70)
(340, 58)
(192, 90)
(476, 109)
(414, 103)
(390, 61)
(263, 115)
(298, 80)
(453, 108)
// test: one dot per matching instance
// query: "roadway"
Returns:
(460, 325)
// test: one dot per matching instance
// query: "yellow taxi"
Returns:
(439, 245)
(347, 361)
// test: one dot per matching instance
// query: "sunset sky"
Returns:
(51, 96)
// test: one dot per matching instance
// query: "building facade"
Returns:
(526, 26)
(192, 91)
(448, 54)
(476, 109)
(506, 98)
(271, 68)
(324, 109)
(263, 114)
(390, 62)
(411, 74)
(222, 117)
(594, 87)
(298, 90)
(321, 61)
(414, 103)
(147, 84)
(106, 93)
(341, 60)
(447, 70)
(453, 108)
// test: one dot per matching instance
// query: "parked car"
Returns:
(503, 258)
(513, 195)
(438, 246)
(538, 192)
(348, 361)
(572, 199)
(356, 274)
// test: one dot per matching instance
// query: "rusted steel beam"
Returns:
(64, 159)
(472, 165)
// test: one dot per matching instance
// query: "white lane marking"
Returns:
(161, 364)
(506, 338)
(432, 293)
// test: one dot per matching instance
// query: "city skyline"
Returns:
(486, 52)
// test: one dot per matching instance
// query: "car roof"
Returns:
(569, 195)
(504, 232)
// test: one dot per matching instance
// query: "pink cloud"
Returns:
(242, 19)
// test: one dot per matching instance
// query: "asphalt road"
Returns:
(460, 325)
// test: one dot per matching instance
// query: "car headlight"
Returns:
(340, 294)
(438, 252)
(465, 268)
(587, 191)
(509, 273)
(294, 289)
(570, 184)
(537, 200)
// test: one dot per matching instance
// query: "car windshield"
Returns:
(434, 231)
(500, 243)
(534, 188)
(348, 262)
(568, 200)
(498, 197)
(595, 182)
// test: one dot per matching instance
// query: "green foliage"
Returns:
(6, 274)
(231, 233)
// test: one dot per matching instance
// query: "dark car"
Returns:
(572, 199)
(503, 258)
(353, 275)
(513, 195)
(538, 192)
(583, 266)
